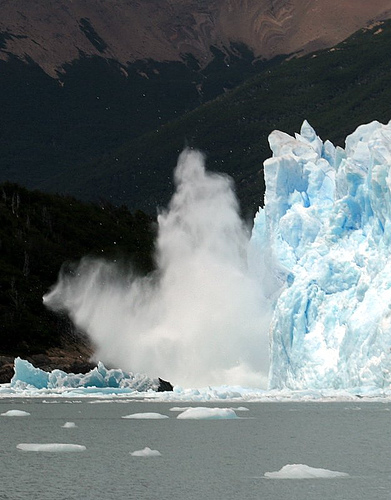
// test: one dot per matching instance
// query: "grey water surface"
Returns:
(209, 460)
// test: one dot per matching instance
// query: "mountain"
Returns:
(79, 78)
(58, 32)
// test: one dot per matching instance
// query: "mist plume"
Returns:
(201, 318)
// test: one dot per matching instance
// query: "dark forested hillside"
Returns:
(38, 233)
(50, 126)
(335, 90)
(101, 134)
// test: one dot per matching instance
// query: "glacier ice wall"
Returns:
(326, 230)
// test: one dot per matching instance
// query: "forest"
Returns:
(39, 234)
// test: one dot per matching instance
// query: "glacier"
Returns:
(325, 230)
(321, 248)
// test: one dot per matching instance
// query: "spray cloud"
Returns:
(201, 318)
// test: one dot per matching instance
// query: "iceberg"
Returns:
(27, 376)
(15, 413)
(146, 452)
(69, 425)
(51, 447)
(202, 413)
(302, 471)
(325, 232)
(146, 416)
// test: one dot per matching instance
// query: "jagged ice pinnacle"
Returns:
(326, 231)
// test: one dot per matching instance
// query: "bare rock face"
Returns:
(56, 32)
(6, 369)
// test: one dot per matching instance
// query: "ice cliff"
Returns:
(325, 231)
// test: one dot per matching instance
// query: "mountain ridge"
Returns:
(55, 33)
(335, 89)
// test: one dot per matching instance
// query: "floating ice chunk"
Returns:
(51, 447)
(241, 408)
(301, 471)
(146, 416)
(179, 408)
(15, 413)
(69, 425)
(146, 452)
(26, 375)
(202, 413)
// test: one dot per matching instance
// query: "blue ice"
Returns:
(326, 228)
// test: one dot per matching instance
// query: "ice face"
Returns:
(326, 232)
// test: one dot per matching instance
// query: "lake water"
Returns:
(208, 460)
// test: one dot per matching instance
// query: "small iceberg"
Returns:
(146, 416)
(301, 471)
(15, 413)
(28, 377)
(51, 447)
(202, 413)
(146, 452)
(69, 425)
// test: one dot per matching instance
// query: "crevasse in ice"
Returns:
(26, 375)
(325, 230)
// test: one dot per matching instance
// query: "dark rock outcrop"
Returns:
(164, 386)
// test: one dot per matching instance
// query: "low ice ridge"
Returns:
(210, 394)
(325, 232)
(302, 471)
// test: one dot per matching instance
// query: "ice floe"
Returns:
(302, 471)
(69, 425)
(51, 447)
(146, 452)
(203, 413)
(15, 413)
(146, 416)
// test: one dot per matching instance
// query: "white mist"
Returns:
(201, 318)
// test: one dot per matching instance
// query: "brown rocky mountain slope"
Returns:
(52, 32)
